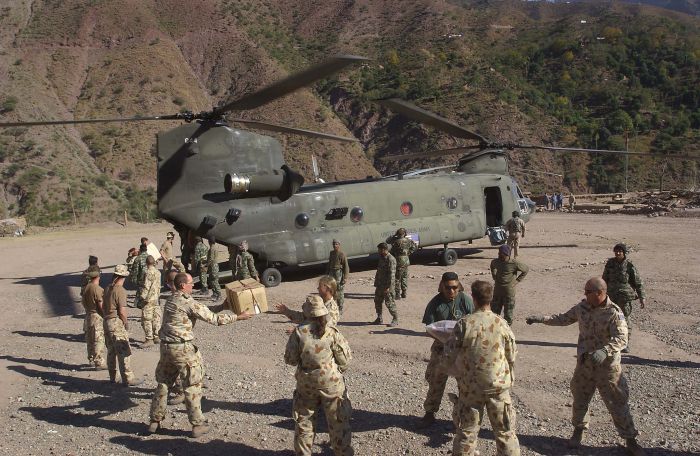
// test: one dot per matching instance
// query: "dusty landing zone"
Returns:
(53, 404)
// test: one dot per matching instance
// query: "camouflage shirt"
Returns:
(338, 260)
(505, 274)
(180, 314)
(599, 327)
(515, 225)
(92, 295)
(483, 348)
(212, 257)
(297, 316)
(245, 266)
(401, 248)
(138, 272)
(624, 282)
(200, 253)
(386, 272)
(151, 285)
(320, 361)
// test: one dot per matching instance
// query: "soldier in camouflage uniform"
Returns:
(321, 355)
(516, 229)
(94, 332)
(232, 254)
(166, 253)
(116, 327)
(482, 349)
(179, 357)
(213, 270)
(150, 312)
(624, 285)
(384, 281)
(138, 272)
(602, 334)
(130, 261)
(85, 277)
(506, 272)
(245, 263)
(401, 248)
(199, 264)
(326, 290)
(449, 304)
(338, 269)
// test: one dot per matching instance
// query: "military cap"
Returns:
(516, 213)
(449, 276)
(121, 270)
(622, 247)
(92, 274)
(92, 259)
(314, 307)
(504, 249)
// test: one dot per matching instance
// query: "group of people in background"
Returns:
(555, 201)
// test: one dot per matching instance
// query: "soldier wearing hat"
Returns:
(339, 269)
(199, 264)
(326, 291)
(166, 252)
(245, 263)
(321, 355)
(150, 310)
(507, 272)
(384, 282)
(116, 329)
(624, 284)
(85, 277)
(516, 229)
(138, 270)
(401, 248)
(94, 332)
(451, 303)
(213, 270)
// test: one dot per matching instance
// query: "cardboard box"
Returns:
(246, 295)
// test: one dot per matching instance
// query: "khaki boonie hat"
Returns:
(314, 307)
(121, 270)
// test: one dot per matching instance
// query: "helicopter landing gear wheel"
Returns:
(271, 277)
(448, 257)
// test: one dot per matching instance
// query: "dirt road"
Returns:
(53, 404)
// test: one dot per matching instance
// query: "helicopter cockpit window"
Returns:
(301, 220)
(337, 213)
(356, 214)
(452, 203)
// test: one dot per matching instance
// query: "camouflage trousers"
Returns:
(436, 376)
(612, 386)
(151, 319)
(118, 349)
(183, 361)
(401, 281)
(514, 243)
(505, 304)
(625, 305)
(337, 274)
(202, 273)
(385, 298)
(501, 414)
(338, 411)
(213, 281)
(95, 339)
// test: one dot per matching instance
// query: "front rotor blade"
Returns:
(289, 84)
(290, 130)
(602, 151)
(426, 117)
(431, 154)
(534, 171)
(88, 121)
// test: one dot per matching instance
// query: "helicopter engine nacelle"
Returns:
(282, 184)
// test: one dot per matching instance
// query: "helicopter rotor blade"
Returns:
(291, 130)
(289, 84)
(534, 171)
(92, 121)
(602, 151)
(428, 118)
(430, 154)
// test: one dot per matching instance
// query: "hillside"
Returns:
(580, 74)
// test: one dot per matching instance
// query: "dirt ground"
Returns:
(52, 403)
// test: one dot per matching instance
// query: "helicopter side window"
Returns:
(356, 214)
(301, 220)
(337, 213)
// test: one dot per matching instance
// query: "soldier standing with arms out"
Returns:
(401, 248)
(449, 304)
(94, 332)
(213, 270)
(199, 264)
(516, 229)
(179, 357)
(85, 277)
(339, 269)
(245, 263)
(116, 329)
(150, 312)
(602, 334)
(504, 271)
(624, 285)
(326, 290)
(321, 355)
(483, 346)
(384, 282)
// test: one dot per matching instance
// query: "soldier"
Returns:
(138, 271)
(166, 252)
(179, 357)
(504, 271)
(384, 281)
(116, 329)
(130, 260)
(213, 270)
(516, 230)
(178, 396)
(150, 312)
(85, 277)
(199, 264)
(326, 290)
(321, 355)
(602, 334)
(245, 263)
(232, 254)
(177, 266)
(572, 202)
(401, 248)
(624, 285)
(339, 269)
(94, 332)
(449, 304)
(483, 348)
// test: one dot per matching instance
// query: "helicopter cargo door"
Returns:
(494, 206)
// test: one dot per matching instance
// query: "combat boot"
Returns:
(427, 420)
(147, 344)
(394, 322)
(175, 400)
(153, 427)
(576, 437)
(199, 430)
(378, 321)
(633, 448)
(403, 295)
(133, 382)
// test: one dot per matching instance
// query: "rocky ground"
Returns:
(53, 404)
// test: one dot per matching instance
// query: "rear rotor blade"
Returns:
(91, 121)
(534, 171)
(602, 151)
(421, 115)
(290, 130)
(431, 154)
(289, 84)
